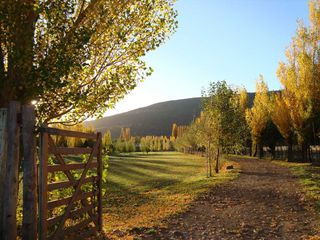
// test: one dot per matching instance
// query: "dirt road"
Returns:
(265, 202)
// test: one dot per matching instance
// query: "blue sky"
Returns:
(232, 40)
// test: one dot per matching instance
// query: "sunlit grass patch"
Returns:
(145, 189)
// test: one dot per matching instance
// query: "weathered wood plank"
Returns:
(73, 166)
(66, 184)
(70, 151)
(69, 200)
(11, 180)
(43, 187)
(68, 133)
(29, 228)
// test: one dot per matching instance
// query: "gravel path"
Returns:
(265, 202)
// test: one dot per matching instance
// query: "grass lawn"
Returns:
(309, 177)
(145, 189)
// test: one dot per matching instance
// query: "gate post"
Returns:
(3, 160)
(43, 185)
(11, 180)
(29, 225)
(100, 168)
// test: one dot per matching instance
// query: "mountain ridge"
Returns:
(155, 119)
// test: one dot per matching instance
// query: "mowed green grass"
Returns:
(144, 189)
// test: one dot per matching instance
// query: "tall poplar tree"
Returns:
(258, 116)
(280, 115)
(174, 131)
(299, 76)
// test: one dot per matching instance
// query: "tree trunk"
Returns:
(209, 161)
(310, 154)
(22, 18)
(207, 166)
(260, 150)
(210, 166)
(290, 151)
(273, 151)
(304, 149)
(217, 161)
(255, 149)
(3, 157)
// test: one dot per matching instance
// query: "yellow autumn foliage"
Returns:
(258, 116)
(300, 74)
(243, 99)
(280, 115)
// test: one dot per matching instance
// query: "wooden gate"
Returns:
(73, 203)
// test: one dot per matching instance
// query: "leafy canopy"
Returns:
(76, 58)
(223, 119)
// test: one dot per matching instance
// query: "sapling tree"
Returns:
(223, 123)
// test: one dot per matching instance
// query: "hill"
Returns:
(156, 119)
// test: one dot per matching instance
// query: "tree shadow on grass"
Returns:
(118, 196)
(138, 178)
(136, 155)
(143, 162)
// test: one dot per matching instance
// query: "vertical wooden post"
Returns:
(29, 225)
(11, 181)
(100, 169)
(3, 160)
(43, 186)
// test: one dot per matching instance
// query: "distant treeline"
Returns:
(127, 143)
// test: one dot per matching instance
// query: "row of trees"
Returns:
(120, 145)
(177, 130)
(295, 110)
(291, 115)
(156, 144)
(144, 144)
(125, 143)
